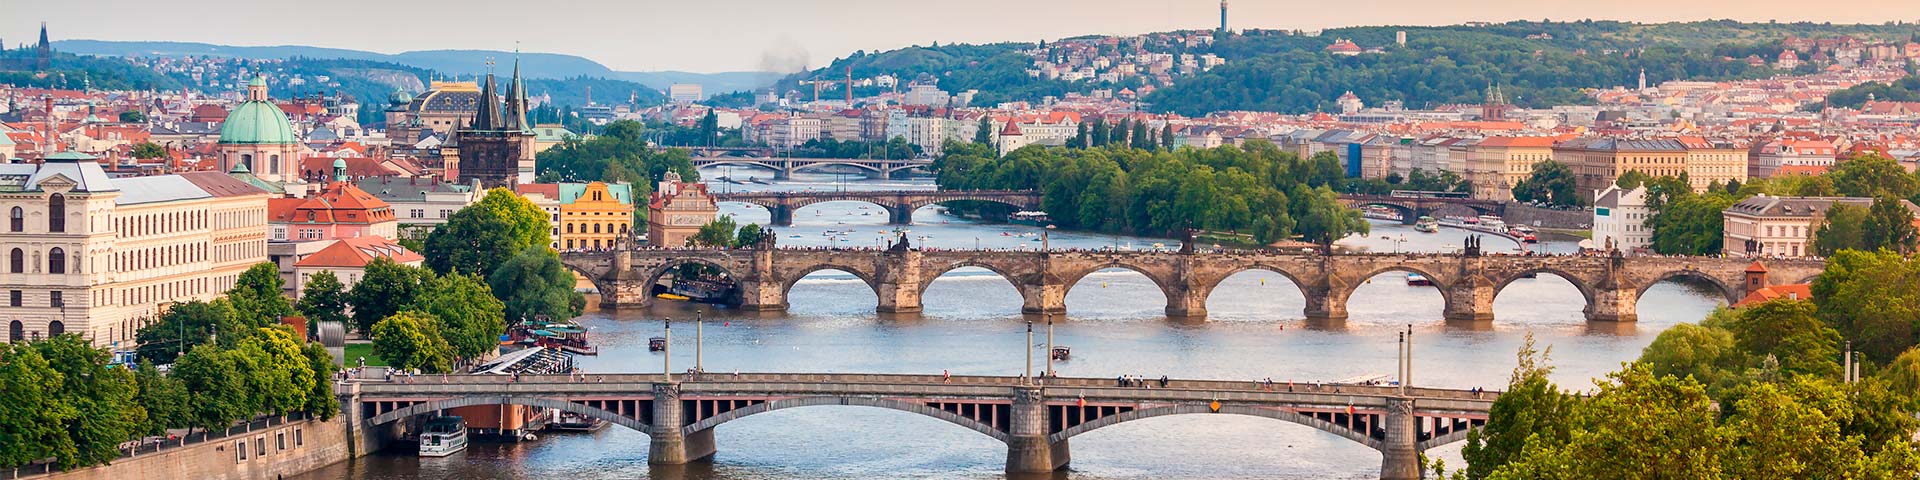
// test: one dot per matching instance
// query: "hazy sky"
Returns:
(722, 35)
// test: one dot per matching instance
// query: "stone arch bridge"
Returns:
(899, 276)
(1034, 421)
(899, 204)
(1411, 208)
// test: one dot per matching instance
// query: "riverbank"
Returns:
(262, 450)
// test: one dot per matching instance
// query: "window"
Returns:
(57, 261)
(273, 164)
(241, 446)
(13, 298)
(57, 213)
(56, 328)
(260, 446)
(280, 440)
(16, 331)
(19, 220)
(57, 300)
(17, 262)
(298, 440)
(569, 228)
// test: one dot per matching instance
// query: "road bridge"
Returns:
(1035, 421)
(899, 204)
(784, 167)
(1411, 208)
(899, 275)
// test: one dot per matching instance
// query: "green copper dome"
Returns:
(257, 123)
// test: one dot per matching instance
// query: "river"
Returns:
(1115, 324)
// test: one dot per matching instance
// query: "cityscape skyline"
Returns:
(788, 36)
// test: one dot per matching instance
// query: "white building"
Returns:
(1620, 217)
(684, 93)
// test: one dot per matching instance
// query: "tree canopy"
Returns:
(480, 236)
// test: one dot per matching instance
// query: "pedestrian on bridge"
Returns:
(946, 376)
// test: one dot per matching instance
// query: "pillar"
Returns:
(1400, 453)
(669, 445)
(1614, 305)
(1043, 298)
(782, 215)
(1469, 300)
(898, 282)
(900, 214)
(1326, 304)
(759, 290)
(622, 286)
(785, 172)
(1028, 450)
(1188, 302)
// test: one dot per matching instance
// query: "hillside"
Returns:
(535, 65)
(1536, 63)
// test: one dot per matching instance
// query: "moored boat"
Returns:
(443, 436)
(1415, 279)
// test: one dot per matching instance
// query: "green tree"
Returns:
(1789, 331)
(534, 283)
(1872, 175)
(320, 401)
(410, 340)
(148, 150)
(983, 134)
(218, 396)
(102, 395)
(164, 398)
(1690, 225)
(324, 299)
(133, 116)
(1639, 426)
(716, 233)
(749, 235)
(1840, 229)
(185, 326)
(1869, 298)
(1703, 353)
(1324, 219)
(385, 289)
(477, 238)
(280, 377)
(1889, 225)
(1531, 410)
(1551, 182)
(470, 317)
(33, 417)
(257, 296)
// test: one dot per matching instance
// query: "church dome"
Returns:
(257, 122)
(399, 97)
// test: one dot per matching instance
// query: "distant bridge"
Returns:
(785, 167)
(899, 204)
(1468, 282)
(1412, 208)
(1034, 421)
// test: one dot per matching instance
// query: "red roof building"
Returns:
(340, 211)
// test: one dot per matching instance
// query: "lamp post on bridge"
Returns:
(1049, 372)
(1406, 378)
(699, 340)
(666, 350)
(1028, 378)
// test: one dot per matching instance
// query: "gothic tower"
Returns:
(43, 53)
(497, 147)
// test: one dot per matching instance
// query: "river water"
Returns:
(1115, 324)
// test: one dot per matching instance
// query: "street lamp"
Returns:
(666, 350)
(1028, 378)
(699, 339)
(1406, 379)
(1049, 316)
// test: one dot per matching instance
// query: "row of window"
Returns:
(160, 223)
(260, 444)
(56, 215)
(596, 227)
(158, 257)
(56, 261)
(55, 299)
(17, 332)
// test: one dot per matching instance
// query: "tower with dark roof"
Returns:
(43, 53)
(497, 147)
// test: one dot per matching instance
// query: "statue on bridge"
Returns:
(901, 245)
(1472, 248)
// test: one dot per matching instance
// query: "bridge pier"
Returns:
(1325, 304)
(782, 215)
(623, 287)
(1469, 301)
(900, 214)
(760, 291)
(1186, 303)
(783, 173)
(1614, 305)
(1028, 450)
(670, 446)
(1043, 298)
(899, 283)
(1400, 453)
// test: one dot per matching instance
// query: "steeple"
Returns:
(516, 111)
(487, 115)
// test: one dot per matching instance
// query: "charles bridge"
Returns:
(899, 275)
(784, 167)
(1034, 419)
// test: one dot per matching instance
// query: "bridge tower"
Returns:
(897, 281)
(1028, 450)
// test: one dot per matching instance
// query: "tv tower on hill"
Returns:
(1223, 17)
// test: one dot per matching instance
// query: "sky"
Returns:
(784, 35)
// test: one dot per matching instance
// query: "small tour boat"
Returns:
(1416, 279)
(1061, 352)
(443, 436)
(657, 344)
(574, 422)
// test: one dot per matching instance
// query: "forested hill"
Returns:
(1537, 63)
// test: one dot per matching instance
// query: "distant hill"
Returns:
(533, 65)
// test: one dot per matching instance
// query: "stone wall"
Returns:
(1520, 214)
(290, 449)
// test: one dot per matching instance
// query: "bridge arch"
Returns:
(1363, 438)
(962, 196)
(1585, 287)
(817, 165)
(1441, 283)
(1732, 291)
(1212, 284)
(866, 276)
(542, 402)
(886, 403)
(1073, 280)
(929, 275)
(738, 161)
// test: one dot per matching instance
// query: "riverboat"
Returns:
(1377, 212)
(574, 422)
(1418, 280)
(564, 336)
(1524, 233)
(1426, 225)
(1029, 217)
(443, 436)
(657, 344)
(1061, 352)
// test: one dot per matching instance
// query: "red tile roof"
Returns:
(357, 252)
(1798, 291)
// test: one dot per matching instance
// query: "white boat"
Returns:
(443, 436)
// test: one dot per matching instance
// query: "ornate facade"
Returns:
(677, 210)
(497, 147)
(257, 133)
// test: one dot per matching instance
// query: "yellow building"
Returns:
(595, 215)
(1496, 164)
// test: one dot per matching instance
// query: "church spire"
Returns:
(44, 44)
